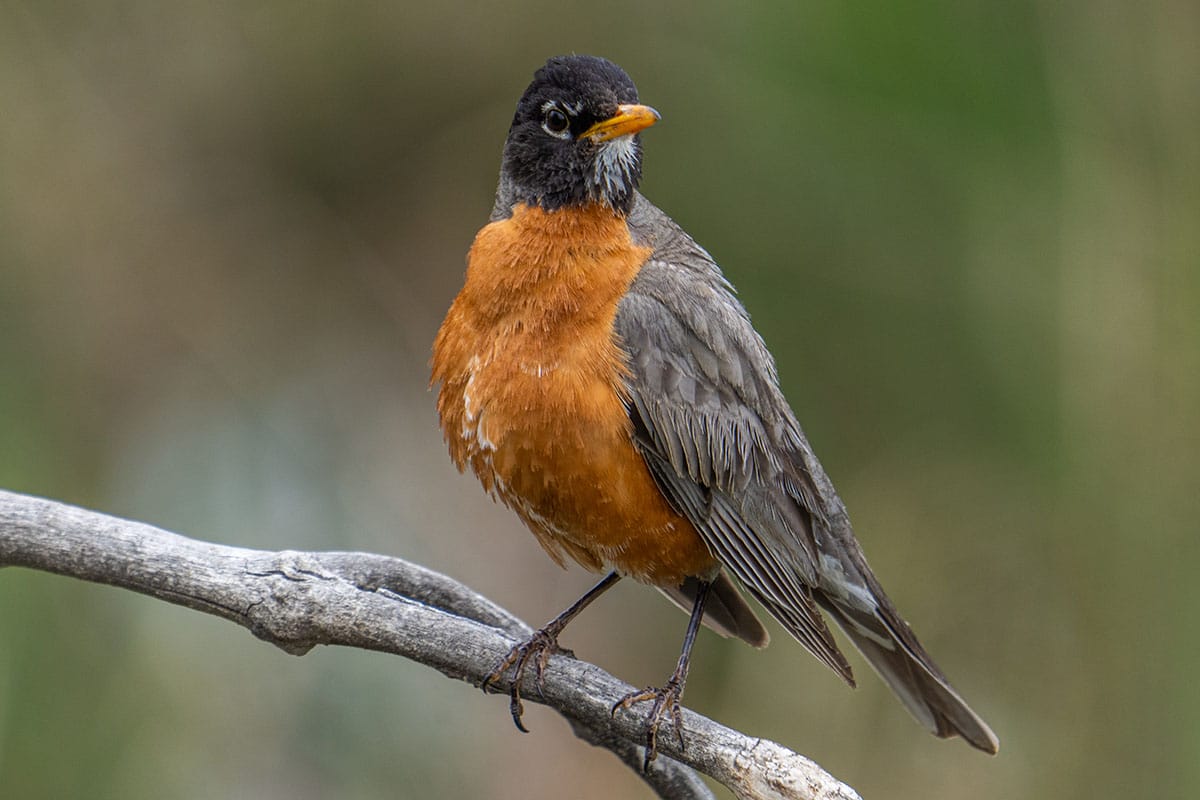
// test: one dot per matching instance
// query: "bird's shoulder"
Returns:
(691, 345)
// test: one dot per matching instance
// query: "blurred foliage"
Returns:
(968, 231)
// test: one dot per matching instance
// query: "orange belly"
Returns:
(531, 381)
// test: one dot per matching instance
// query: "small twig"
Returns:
(296, 600)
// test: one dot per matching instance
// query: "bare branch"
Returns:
(296, 600)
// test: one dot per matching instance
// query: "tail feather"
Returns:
(881, 635)
(892, 649)
(726, 611)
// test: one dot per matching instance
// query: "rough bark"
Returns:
(296, 600)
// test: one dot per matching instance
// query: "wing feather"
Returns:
(726, 451)
(699, 399)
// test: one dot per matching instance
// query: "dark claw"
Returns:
(666, 704)
(537, 648)
(516, 709)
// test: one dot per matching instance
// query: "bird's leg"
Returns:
(666, 700)
(538, 648)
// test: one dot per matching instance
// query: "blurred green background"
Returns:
(969, 231)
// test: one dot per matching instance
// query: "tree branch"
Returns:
(296, 600)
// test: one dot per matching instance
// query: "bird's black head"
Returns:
(573, 140)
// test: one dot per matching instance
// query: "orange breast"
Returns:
(531, 381)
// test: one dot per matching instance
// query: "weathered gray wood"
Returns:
(296, 600)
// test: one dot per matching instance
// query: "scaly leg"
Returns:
(539, 647)
(666, 700)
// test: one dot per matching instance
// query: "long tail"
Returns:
(892, 649)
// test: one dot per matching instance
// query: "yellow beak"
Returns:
(629, 119)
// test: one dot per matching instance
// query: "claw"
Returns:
(666, 699)
(516, 709)
(537, 648)
(666, 702)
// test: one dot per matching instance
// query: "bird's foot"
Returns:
(666, 706)
(537, 650)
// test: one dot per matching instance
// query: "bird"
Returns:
(598, 375)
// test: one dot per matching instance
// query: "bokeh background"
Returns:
(969, 231)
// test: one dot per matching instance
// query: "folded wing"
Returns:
(725, 449)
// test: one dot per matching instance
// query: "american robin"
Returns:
(599, 377)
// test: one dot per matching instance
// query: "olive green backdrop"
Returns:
(968, 230)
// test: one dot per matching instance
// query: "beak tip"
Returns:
(629, 119)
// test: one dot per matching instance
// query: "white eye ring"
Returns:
(555, 122)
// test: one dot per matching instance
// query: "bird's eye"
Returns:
(555, 122)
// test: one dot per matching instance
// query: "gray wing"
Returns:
(725, 449)
(707, 415)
